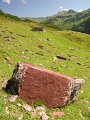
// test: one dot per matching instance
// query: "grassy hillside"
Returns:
(83, 26)
(68, 20)
(19, 43)
(9, 16)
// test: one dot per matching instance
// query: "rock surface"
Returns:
(37, 29)
(88, 109)
(32, 83)
(59, 114)
(13, 98)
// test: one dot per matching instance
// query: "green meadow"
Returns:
(19, 43)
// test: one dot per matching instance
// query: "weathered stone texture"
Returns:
(33, 83)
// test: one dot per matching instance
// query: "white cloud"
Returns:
(65, 9)
(24, 1)
(61, 7)
(7, 1)
(80, 10)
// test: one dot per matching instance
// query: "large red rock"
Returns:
(33, 83)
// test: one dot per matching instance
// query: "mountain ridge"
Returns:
(63, 20)
(68, 20)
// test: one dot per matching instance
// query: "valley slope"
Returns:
(68, 20)
(19, 43)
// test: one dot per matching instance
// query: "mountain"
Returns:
(9, 16)
(63, 20)
(64, 14)
(84, 26)
(1, 12)
(68, 20)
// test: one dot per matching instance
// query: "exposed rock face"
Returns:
(37, 29)
(33, 83)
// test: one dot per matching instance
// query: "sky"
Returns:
(41, 8)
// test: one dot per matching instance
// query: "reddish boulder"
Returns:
(33, 83)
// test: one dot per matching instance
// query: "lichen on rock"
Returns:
(32, 83)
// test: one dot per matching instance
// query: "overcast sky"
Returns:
(41, 8)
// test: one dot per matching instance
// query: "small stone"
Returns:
(4, 84)
(54, 59)
(44, 116)
(79, 63)
(88, 109)
(34, 113)
(85, 102)
(20, 118)
(19, 105)
(13, 98)
(5, 97)
(6, 110)
(41, 46)
(23, 52)
(47, 39)
(59, 114)
(7, 38)
(27, 107)
(8, 60)
(39, 111)
(41, 65)
(61, 57)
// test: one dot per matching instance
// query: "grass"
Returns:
(25, 47)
